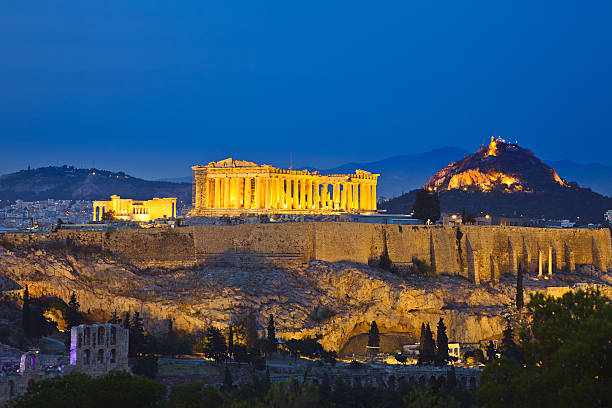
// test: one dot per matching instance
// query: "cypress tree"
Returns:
(114, 318)
(374, 336)
(136, 335)
(271, 335)
(428, 353)
(126, 320)
(421, 341)
(442, 356)
(519, 289)
(491, 351)
(230, 341)
(73, 315)
(25, 313)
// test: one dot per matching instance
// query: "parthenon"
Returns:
(234, 187)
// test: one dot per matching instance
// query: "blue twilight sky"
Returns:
(152, 87)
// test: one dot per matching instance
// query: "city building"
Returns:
(235, 187)
(127, 209)
(608, 216)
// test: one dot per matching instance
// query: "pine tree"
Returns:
(25, 313)
(272, 344)
(421, 341)
(442, 356)
(428, 349)
(519, 289)
(114, 318)
(230, 341)
(374, 336)
(126, 320)
(491, 351)
(136, 335)
(73, 316)
(214, 346)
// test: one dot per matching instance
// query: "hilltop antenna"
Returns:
(291, 161)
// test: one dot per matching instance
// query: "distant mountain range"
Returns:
(70, 183)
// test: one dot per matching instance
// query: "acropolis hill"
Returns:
(210, 275)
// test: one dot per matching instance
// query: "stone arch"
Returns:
(100, 359)
(113, 339)
(432, 380)
(86, 356)
(86, 336)
(11, 385)
(422, 380)
(472, 383)
(97, 216)
(32, 362)
(113, 356)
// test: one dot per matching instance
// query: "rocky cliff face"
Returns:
(334, 300)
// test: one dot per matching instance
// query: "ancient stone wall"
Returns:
(479, 253)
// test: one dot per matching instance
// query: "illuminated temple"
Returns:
(234, 187)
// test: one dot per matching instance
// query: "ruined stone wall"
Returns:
(479, 253)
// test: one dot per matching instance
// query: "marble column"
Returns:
(336, 198)
(237, 190)
(277, 190)
(282, 199)
(247, 192)
(539, 263)
(217, 192)
(349, 196)
(205, 202)
(373, 197)
(197, 204)
(294, 194)
(267, 192)
(550, 263)
(343, 196)
(226, 193)
(258, 192)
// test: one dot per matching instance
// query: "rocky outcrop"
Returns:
(334, 300)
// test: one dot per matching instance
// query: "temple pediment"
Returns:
(229, 162)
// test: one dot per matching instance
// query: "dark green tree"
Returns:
(509, 347)
(73, 315)
(519, 288)
(374, 335)
(25, 313)
(137, 335)
(427, 354)
(272, 343)
(491, 351)
(194, 395)
(241, 355)
(146, 365)
(214, 344)
(126, 320)
(114, 318)
(426, 206)
(230, 342)
(442, 357)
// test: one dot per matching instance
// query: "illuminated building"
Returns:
(608, 216)
(132, 210)
(234, 187)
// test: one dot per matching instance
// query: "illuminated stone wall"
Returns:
(132, 210)
(479, 253)
(99, 348)
(233, 187)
